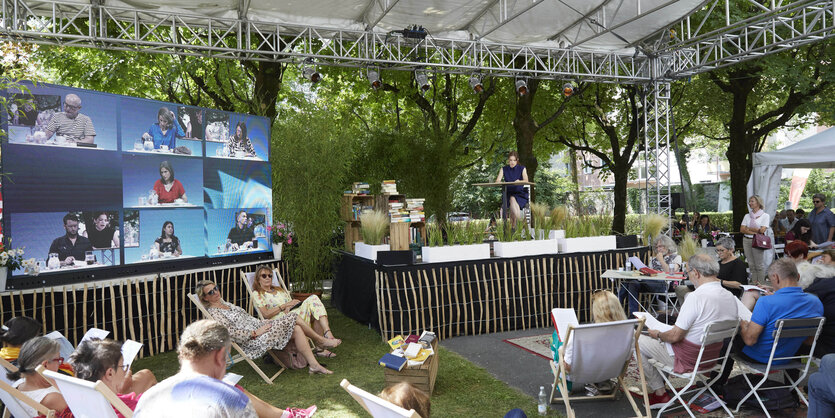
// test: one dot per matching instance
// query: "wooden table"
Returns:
(503, 185)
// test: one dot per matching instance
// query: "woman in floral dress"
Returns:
(256, 336)
(275, 302)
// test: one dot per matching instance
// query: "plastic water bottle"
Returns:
(628, 265)
(543, 401)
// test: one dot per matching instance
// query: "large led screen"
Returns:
(95, 181)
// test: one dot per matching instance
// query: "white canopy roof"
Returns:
(817, 151)
(590, 24)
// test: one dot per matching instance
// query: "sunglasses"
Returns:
(213, 291)
(816, 201)
(266, 275)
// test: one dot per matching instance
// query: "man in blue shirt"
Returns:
(822, 220)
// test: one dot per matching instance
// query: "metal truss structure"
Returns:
(709, 38)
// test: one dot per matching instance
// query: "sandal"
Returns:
(330, 343)
(325, 334)
(324, 353)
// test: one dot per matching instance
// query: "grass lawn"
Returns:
(462, 389)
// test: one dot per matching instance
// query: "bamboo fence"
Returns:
(151, 309)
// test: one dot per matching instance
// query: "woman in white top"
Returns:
(35, 352)
(755, 222)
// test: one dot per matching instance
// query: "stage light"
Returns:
(475, 83)
(521, 86)
(374, 78)
(422, 81)
(567, 89)
(309, 71)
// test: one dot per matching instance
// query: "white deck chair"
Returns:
(715, 333)
(87, 399)
(375, 405)
(249, 279)
(13, 398)
(784, 328)
(241, 355)
(601, 352)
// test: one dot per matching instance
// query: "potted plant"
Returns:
(465, 242)
(520, 242)
(373, 227)
(279, 235)
(12, 259)
(586, 233)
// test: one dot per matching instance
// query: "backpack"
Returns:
(291, 357)
(736, 388)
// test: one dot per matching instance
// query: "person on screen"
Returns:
(240, 142)
(167, 187)
(70, 246)
(241, 235)
(165, 131)
(167, 241)
(75, 126)
(102, 234)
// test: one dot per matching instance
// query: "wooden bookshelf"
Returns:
(348, 214)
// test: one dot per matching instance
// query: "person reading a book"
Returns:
(802, 232)
(39, 351)
(827, 257)
(406, 396)
(274, 302)
(256, 336)
(97, 359)
(707, 304)
(517, 196)
(665, 260)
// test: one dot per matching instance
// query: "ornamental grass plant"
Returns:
(374, 225)
(688, 247)
(653, 225)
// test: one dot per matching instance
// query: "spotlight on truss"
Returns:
(521, 86)
(374, 78)
(475, 83)
(422, 81)
(568, 89)
(309, 72)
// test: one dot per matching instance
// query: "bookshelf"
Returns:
(352, 206)
(403, 233)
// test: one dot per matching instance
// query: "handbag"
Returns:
(761, 241)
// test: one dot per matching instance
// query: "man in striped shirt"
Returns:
(71, 124)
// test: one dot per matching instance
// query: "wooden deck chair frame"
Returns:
(277, 281)
(559, 370)
(99, 386)
(241, 355)
(362, 397)
(783, 328)
(716, 332)
(19, 396)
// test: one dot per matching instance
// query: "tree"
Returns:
(607, 122)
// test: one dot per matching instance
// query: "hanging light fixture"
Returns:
(567, 89)
(521, 86)
(374, 78)
(475, 83)
(309, 71)
(422, 81)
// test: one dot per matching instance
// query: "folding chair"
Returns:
(87, 399)
(601, 352)
(784, 328)
(249, 279)
(241, 355)
(376, 406)
(715, 333)
(12, 398)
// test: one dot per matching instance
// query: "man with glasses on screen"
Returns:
(822, 220)
(71, 246)
(70, 124)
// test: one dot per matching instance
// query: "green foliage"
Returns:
(653, 225)
(435, 235)
(588, 226)
(373, 226)
(819, 181)
(687, 247)
(307, 190)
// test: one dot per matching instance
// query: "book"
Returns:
(232, 378)
(392, 362)
(396, 342)
(411, 339)
(412, 350)
(646, 271)
(637, 264)
(651, 323)
(426, 339)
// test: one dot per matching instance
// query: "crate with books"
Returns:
(413, 359)
(354, 203)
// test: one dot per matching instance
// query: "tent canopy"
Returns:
(590, 24)
(817, 151)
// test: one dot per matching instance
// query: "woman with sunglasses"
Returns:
(256, 336)
(274, 302)
(36, 352)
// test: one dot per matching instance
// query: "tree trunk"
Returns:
(621, 174)
(526, 128)
(741, 165)
(268, 76)
(575, 178)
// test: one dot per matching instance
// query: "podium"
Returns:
(503, 185)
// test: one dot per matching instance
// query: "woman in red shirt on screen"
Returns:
(167, 187)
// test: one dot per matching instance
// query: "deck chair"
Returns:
(715, 333)
(249, 279)
(784, 328)
(13, 398)
(376, 406)
(601, 352)
(241, 355)
(87, 399)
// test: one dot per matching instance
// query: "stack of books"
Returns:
(357, 209)
(397, 212)
(389, 187)
(412, 351)
(359, 188)
(415, 208)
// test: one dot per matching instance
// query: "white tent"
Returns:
(817, 151)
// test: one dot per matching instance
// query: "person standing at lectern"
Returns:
(517, 196)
